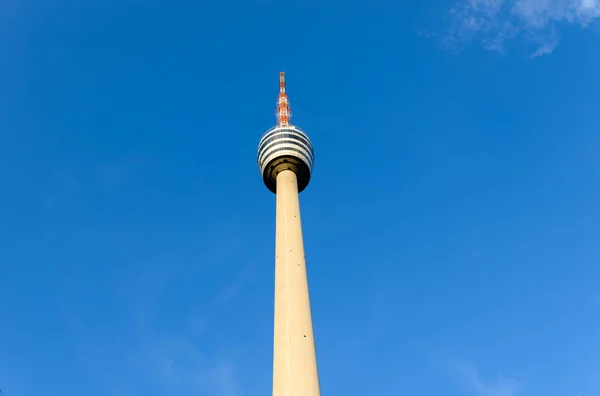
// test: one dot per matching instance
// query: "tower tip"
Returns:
(282, 82)
(284, 112)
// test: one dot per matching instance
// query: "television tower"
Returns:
(285, 159)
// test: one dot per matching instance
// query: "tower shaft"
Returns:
(294, 357)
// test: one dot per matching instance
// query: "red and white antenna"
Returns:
(284, 112)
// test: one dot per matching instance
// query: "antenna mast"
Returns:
(284, 112)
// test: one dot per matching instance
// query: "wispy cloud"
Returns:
(469, 377)
(183, 367)
(203, 314)
(494, 23)
(171, 360)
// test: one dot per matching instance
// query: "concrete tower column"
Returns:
(294, 358)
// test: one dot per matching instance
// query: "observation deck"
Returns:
(285, 147)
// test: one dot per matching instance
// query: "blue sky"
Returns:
(451, 225)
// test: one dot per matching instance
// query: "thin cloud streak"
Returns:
(173, 362)
(469, 376)
(183, 367)
(495, 23)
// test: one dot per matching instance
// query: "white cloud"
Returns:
(494, 22)
(468, 375)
